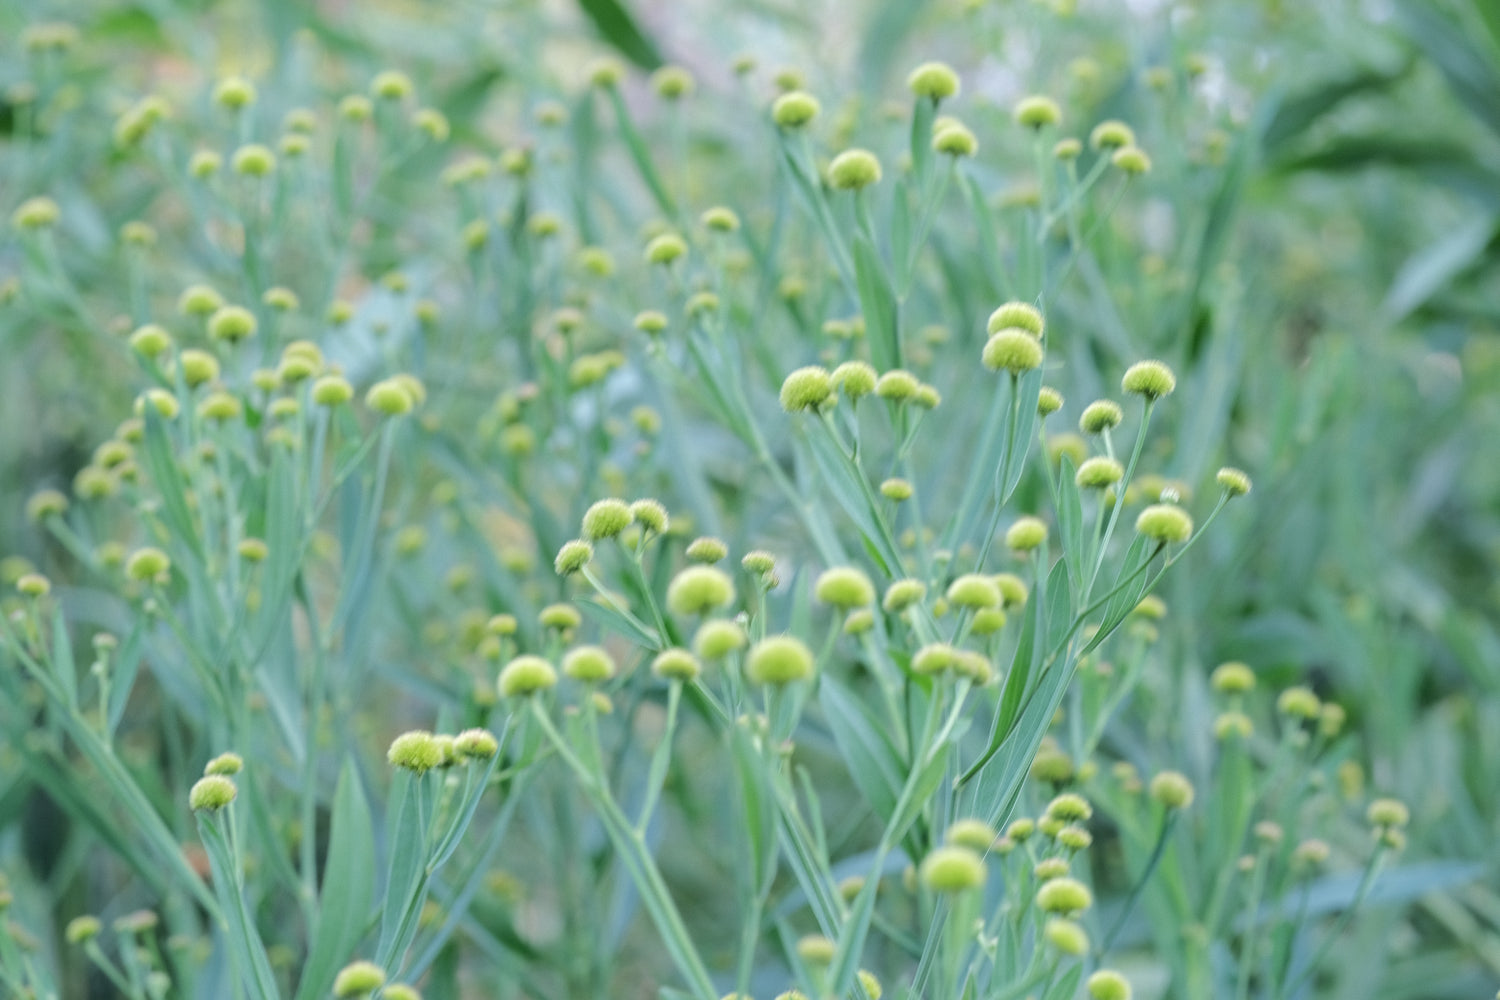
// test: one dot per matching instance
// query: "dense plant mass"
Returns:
(531, 501)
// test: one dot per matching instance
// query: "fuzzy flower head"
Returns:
(845, 587)
(779, 660)
(953, 869)
(697, 590)
(211, 793)
(526, 675)
(1012, 349)
(853, 170)
(935, 81)
(417, 751)
(806, 389)
(1151, 379)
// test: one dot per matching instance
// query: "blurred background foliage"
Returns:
(1339, 282)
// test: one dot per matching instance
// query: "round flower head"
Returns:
(794, 109)
(204, 163)
(82, 929)
(975, 834)
(1048, 401)
(759, 562)
(1172, 789)
(1233, 725)
(672, 82)
(987, 621)
(234, 92)
(1016, 314)
(417, 751)
(1111, 135)
(253, 160)
(1036, 112)
(197, 367)
(589, 664)
(1100, 416)
(1012, 349)
(897, 385)
(559, 616)
(718, 638)
(1070, 807)
(1131, 160)
(650, 515)
(389, 398)
(676, 665)
(232, 324)
(526, 675)
(44, 504)
(1026, 534)
(225, 764)
(933, 80)
(358, 979)
(150, 340)
(1106, 984)
(698, 590)
(199, 300)
(35, 213)
(211, 793)
(853, 170)
(1098, 473)
(332, 390)
(779, 660)
(431, 122)
(933, 658)
(903, 594)
(572, 557)
(1067, 149)
(1233, 481)
(815, 949)
(1052, 765)
(665, 248)
(955, 140)
(1311, 853)
(148, 564)
(606, 519)
(806, 389)
(1064, 896)
(706, 550)
(33, 585)
(400, 991)
(720, 219)
(1151, 379)
(163, 402)
(854, 379)
(219, 406)
(391, 85)
(1232, 678)
(896, 489)
(650, 321)
(952, 869)
(973, 590)
(475, 744)
(845, 587)
(1165, 523)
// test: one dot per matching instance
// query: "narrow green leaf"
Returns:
(62, 658)
(614, 21)
(345, 898)
(1434, 266)
(878, 301)
(252, 966)
(872, 761)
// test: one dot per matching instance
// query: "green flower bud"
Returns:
(1131, 160)
(896, 489)
(1099, 473)
(759, 562)
(955, 140)
(1016, 315)
(1172, 789)
(589, 664)
(332, 390)
(605, 73)
(197, 367)
(706, 550)
(204, 163)
(148, 564)
(281, 299)
(987, 621)
(952, 869)
(473, 744)
(717, 639)
(253, 160)
(1151, 379)
(219, 406)
(650, 515)
(417, 751)
(1233, 725)
(561, 617)
(1012, 349)
(933, 658)
(897, 385)
(975, 834)
(794, 109)
(1036, 112)
(606, 519)
(1111, 135)
(1233, 481)
(1232, 678)
(933, 80)
(1025, 534)
(44, 504)
(199, 300)
(1164, 523)
(389, 398)
(81, 929)
(1312, 853)
(672, 82)
(1100, 416)
(665, 248)
(150, 340)
(927, 397)
(807, 389)
(35, 213)
(358, 979)
(160, 400)
(1052, 766)
(854, 379)
(972, 590)
(232, 324)
(400, 991)
(845, 587)
(853, 170)
(859, 622)
(1020, 830)
(903, 594)
(779, 660)
(676, 665)
(698, 590)
(432, 123)
(1107, 984)
(234, 93)
(356, 108)
(226, 764)
(391, 85)
(211, 793)
(1067, 149)
(1070, 807)
(1064, 896)
(33, 585)
(816, 950)
(526, 675)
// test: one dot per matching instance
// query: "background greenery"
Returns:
(1330, 285)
